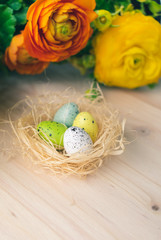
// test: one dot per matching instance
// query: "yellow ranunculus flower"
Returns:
(129, 55)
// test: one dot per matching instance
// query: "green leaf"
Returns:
(3, 1)
(106, 5)
(152, 85)
(154, 7)
(93, 92)
(28, 2)
(21, 16)
(14, 4)
(7, 23)
(111, 5)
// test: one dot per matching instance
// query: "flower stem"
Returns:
(143, 8)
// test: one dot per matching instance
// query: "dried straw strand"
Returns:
(110, 139)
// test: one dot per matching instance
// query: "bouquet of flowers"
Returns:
(117, 42)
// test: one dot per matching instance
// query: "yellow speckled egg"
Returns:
(86, 121)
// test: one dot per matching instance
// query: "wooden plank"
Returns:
(122, 200)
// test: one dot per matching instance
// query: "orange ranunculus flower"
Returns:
(58, 29)
(17, 58)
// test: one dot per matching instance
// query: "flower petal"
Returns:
(87, 4)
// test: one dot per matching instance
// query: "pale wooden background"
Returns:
(122, 200)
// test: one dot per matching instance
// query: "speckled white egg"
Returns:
(66, 114)
(77, 140)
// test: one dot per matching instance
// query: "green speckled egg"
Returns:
(66, 114)
(52, 131)
(86, 121)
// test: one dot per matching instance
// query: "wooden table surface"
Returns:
(122, 200)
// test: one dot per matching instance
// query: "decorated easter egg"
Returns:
(52, 131)
(77, 140)
(66, 114)
(86, 121)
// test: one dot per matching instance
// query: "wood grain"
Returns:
(122, 200)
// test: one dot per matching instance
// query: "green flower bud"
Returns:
(88, 61)
(103, 21)
(83, 63)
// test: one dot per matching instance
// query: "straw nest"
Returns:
(110, 139)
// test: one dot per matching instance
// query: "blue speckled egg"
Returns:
(76, 140)
(66, 114)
